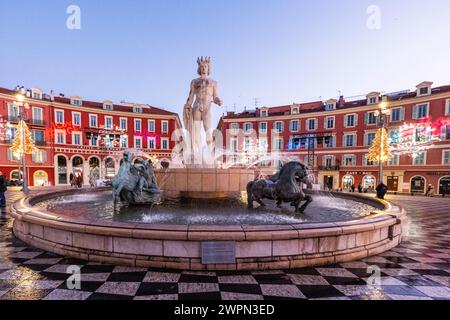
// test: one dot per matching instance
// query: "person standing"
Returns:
(3, 188)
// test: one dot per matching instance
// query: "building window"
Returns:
(369, 138)
(329, 122)
(397, 114)
(36, 95)
(264, 113)
(138, 142)
(76, 139)
(108, 106)
(423, 91)
(370, 118)
(151, 125)
(165, 126)
(330, 142)
(312, 124)
(137, 125)
(164, 143)
(137, 109)
(247, 144)
(373, 100)
(446, 157)
(10, 134)
(447, 108)
(76, 119)
(278, 126)
(262, 144)
(446, 132)
(39, 156)
(349, 160)
(330, 106)
(108, 122)
(328, 162)
(93, 141)
(349, 140)
(295, 110)
(419, 159)
(38, 137)
(294, 125)
(394, 135)
(123, 124)
(278, 144)
(420, 111)
(11, 156)
(351, 120)
(93, 121)
(60, 137)
(13, 111)
(248, 127)
(76, 102)
(263, 127)
(37, 115)
(367, 162)
(394, 160)
(123, 141)
(151, 143)
(59, 116)
(234, 144)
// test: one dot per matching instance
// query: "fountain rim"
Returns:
(25, 209)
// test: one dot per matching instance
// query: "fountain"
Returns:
(201, 217)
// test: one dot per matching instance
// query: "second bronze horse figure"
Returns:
(282, 187)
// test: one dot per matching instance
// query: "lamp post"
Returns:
(20, 99)
(382, 115)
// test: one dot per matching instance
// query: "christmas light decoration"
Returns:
(412, 139)
(23, 142)
(380, 151)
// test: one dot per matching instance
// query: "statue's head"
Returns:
(204, 66)
(127, 155)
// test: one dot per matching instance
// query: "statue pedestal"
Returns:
(203, 183)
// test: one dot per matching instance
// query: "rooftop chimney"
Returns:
(341, 102)
(52, 95)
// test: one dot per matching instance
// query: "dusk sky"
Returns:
(280, 51)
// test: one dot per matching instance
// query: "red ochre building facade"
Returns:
(339, 161)
(76, 135)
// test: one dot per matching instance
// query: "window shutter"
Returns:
(415, 111)
(345, 121)
(402, 113)
(428, 110)
(356, 120)
(366, 118)
(316, 124)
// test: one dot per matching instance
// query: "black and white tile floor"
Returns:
(418, 269)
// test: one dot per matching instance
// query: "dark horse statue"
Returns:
(282, 187)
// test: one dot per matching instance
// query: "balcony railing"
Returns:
(329, 168)
(37, 122)
(40, 143)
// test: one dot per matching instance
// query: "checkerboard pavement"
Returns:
(417, 269)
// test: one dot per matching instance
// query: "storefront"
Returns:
(40, 178)
(367, 180)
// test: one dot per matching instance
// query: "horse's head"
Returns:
(296, 169)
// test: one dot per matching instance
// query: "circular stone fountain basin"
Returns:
(337, 227)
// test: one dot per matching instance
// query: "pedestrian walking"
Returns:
(3, 188)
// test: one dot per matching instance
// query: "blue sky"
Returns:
(280, 51)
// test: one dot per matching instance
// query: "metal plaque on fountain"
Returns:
(218, 252)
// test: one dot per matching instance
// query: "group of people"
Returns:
(76, 179)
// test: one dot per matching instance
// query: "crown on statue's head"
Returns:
(204, 60)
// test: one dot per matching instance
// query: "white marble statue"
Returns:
(197, 110)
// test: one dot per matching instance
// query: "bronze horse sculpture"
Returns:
(282, 187)
(135, 183)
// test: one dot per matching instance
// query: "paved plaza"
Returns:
(418, 269)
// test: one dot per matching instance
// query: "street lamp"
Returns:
(382, 115)
(20, 99)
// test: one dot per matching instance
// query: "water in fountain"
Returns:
(99, 206)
